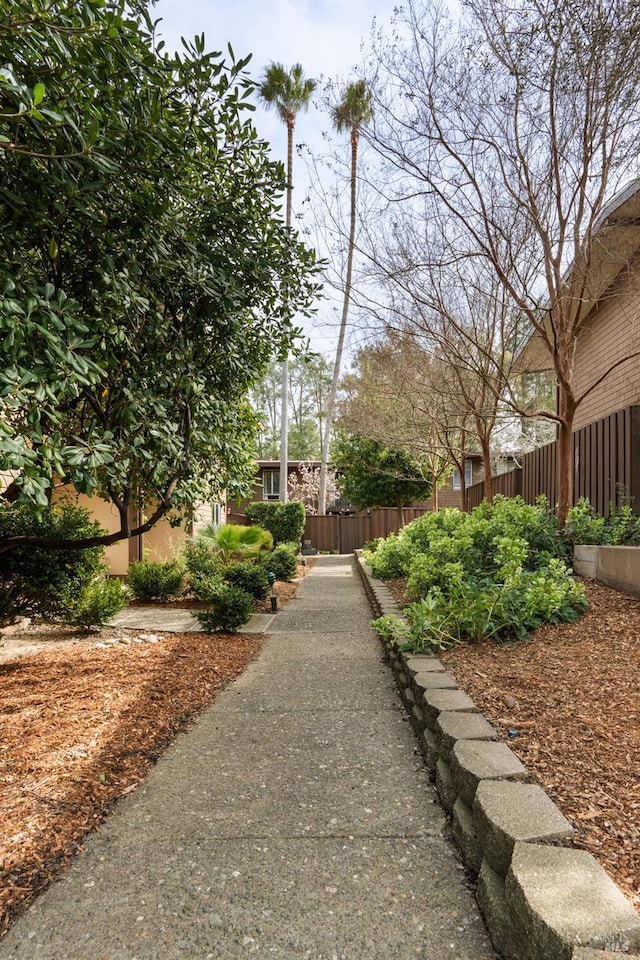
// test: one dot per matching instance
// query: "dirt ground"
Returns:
(570, 696)
(82, 724)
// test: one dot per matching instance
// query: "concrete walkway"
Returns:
(293, 821)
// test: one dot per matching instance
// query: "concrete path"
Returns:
(295, 820)
(170, 620)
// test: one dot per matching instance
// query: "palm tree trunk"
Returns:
(322, 491)
(284, 388)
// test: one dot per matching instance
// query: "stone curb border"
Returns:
(541, 898)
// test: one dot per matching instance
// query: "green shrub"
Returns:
(250, 577)
(283, 561)
(207, 586)
(392, 557)
(450, 536)
(99, 602)
(149, 580)
(497, 572)
(43, 582)
(201, 565)
(285, 521)
(229, 608)
(584, 525)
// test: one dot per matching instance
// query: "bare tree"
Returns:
(457, 318)
(394, 396)
(520, 121)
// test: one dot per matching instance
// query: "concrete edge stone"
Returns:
(452, 726)
(436, 701)
(493, 907)
(561, 898)
(529, 889)
(472, 761)
(465, 835)
(506, 813)
(444, 786)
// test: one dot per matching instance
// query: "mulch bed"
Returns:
(572, 693)
(83, 725)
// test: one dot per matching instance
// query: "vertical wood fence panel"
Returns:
(606, 456)
(348, 533)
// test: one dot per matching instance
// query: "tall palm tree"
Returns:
(353, 110)
(288, 92)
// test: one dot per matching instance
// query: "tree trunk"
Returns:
(564, 465)
(284, 389)
(322, 492)
(400, 511)
(486, 464)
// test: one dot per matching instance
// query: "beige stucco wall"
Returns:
(117, 555)
(611, 332)
(162, 542)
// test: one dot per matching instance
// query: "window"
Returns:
(271, 485)
(216, 514)
(468, 475)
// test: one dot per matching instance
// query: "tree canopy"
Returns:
(146, 276)
(371, 474)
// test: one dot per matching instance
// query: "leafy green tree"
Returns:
(371, 474)
(289, 92)
(351, 113)
(146, 279)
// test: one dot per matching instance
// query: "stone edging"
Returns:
(541, 898)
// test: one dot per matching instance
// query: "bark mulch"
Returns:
(572, 693)
(83, 725)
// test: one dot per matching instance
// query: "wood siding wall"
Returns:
(606, 456)
(610, 333)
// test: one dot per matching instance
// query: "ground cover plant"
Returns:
(496, 572)
(620, 528)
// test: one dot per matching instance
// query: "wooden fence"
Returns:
(606, 457)
(345, 534)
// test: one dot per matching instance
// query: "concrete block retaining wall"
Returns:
(616, 567)
(541, 898)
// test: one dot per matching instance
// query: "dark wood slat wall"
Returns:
(606, 464)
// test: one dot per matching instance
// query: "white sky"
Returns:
(325, 36)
